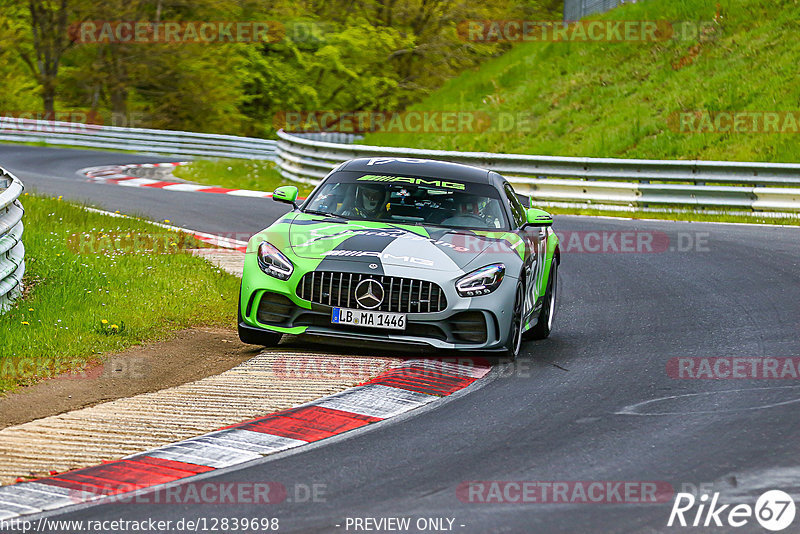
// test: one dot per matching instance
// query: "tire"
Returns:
(255, 336)
(545, 323)
(514, 341)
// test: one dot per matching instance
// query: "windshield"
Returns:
(409, 200)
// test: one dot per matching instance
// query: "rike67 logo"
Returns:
(774, 510)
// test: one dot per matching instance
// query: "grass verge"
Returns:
(621, 99)
(257, 175)
(97, 284)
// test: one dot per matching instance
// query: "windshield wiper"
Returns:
(320, 213)
(332, 217)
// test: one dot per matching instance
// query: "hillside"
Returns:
(621, 99)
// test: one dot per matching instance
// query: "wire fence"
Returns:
(12, 251)
(577, 9)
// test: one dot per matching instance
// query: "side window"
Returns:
(517, 211)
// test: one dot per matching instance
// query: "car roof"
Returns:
(426, 168)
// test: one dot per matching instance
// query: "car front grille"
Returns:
(404, 295)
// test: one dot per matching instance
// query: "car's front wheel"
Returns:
(545, 323)
(514, 342)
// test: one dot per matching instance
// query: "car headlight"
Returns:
(481, 281)
(273, 262)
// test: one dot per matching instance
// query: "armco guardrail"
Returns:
(169, 142)
(12, 251)
(633, 183)
(636, 183)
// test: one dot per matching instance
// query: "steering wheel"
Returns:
(465, 216)
(475, 217)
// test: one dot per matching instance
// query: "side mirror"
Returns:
(537, 217)
(286, 193)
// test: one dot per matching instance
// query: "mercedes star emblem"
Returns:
(369, 294)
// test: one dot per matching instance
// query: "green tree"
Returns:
(365, 55)
(195, 88)
(19, 88)
(48, 21)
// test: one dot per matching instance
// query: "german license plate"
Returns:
(370, 319)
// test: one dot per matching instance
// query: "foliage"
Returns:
(346, 55)
(19, 87)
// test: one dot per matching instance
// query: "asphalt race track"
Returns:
(573, 408)
(53, 171)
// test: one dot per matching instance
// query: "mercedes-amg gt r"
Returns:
(404, 251)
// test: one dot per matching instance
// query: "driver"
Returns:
(466, 205)
(469, 210)
(370, 201)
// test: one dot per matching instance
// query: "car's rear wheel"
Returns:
(514, 342)
(545, 324)
(253, 336)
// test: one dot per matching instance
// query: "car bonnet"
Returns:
(335, 241)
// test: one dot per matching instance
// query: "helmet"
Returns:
(466, 204)
(371, 197)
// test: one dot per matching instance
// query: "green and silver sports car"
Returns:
(405, 251)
